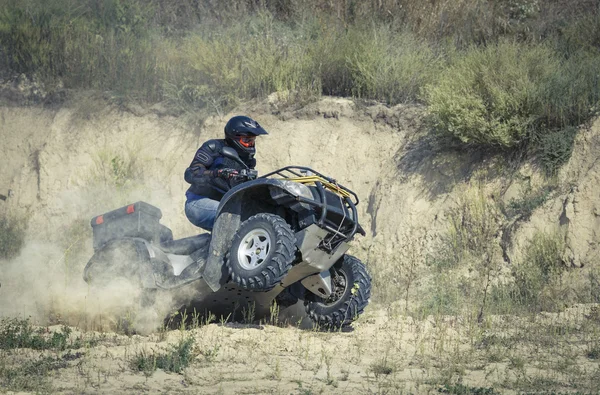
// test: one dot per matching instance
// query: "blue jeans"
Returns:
(202, 212)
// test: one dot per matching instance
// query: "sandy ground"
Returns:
(385, 353)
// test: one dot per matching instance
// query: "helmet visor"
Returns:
(247, 141)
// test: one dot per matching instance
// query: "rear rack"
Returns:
(306, 175)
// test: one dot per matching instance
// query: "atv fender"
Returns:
(232, 209)
(227, 223)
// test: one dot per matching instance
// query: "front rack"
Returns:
(306, 175)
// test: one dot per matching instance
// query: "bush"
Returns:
(486, 95)
(387, 66)
(555, 147)
(256, 57)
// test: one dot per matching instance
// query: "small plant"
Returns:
(529, 202)
(176, 358)
(382, 367)
(274, 313)
(32, 375)
(249, 313)
(116, 169)
(461, 389)
(541, 266)
(144, 362)
(555, 148)
(20, 333)
(471, 243)
(211, 354)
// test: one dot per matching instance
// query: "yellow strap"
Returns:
(313, 179)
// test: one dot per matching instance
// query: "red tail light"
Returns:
(130, 209)
(99, 220)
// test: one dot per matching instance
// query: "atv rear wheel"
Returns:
(351, 289)
(113, 274)
(262, 252)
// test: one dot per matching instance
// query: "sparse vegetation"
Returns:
(20, 333)
(176, 358)
(499, 73)
(539, 271)
(468, 260)
(31, 375)
(530, 200)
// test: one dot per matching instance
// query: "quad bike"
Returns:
(282, 237)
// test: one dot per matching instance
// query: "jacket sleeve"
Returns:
(198, 172)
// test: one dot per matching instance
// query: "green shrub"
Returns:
(387, 66)
(555, 147)
(511, 93)
(486, 95)
(20, 333)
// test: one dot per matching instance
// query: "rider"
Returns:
(211, 174)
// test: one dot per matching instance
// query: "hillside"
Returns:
(485, 269)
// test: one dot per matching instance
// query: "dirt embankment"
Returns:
(64, 166)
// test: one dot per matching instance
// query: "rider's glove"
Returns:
(227, 173)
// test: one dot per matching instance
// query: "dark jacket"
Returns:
(202, 172)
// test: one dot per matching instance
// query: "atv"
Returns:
(281, 237)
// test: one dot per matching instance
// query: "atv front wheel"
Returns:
(262, 252)
(351, 289)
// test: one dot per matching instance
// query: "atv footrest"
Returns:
(186, 246)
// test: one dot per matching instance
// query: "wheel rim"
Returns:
(339, 282)
(254, 249)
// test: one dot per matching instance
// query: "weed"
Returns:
(144, 362)
(176, 358)
(32, 375)
(381, 367)
(531, 200)
(210, 354)
(461, 389)
(249, 313)
(469, 248)
(20, 333)
(117, 169)
(541, 266)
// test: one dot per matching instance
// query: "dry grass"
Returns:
(386, 353)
